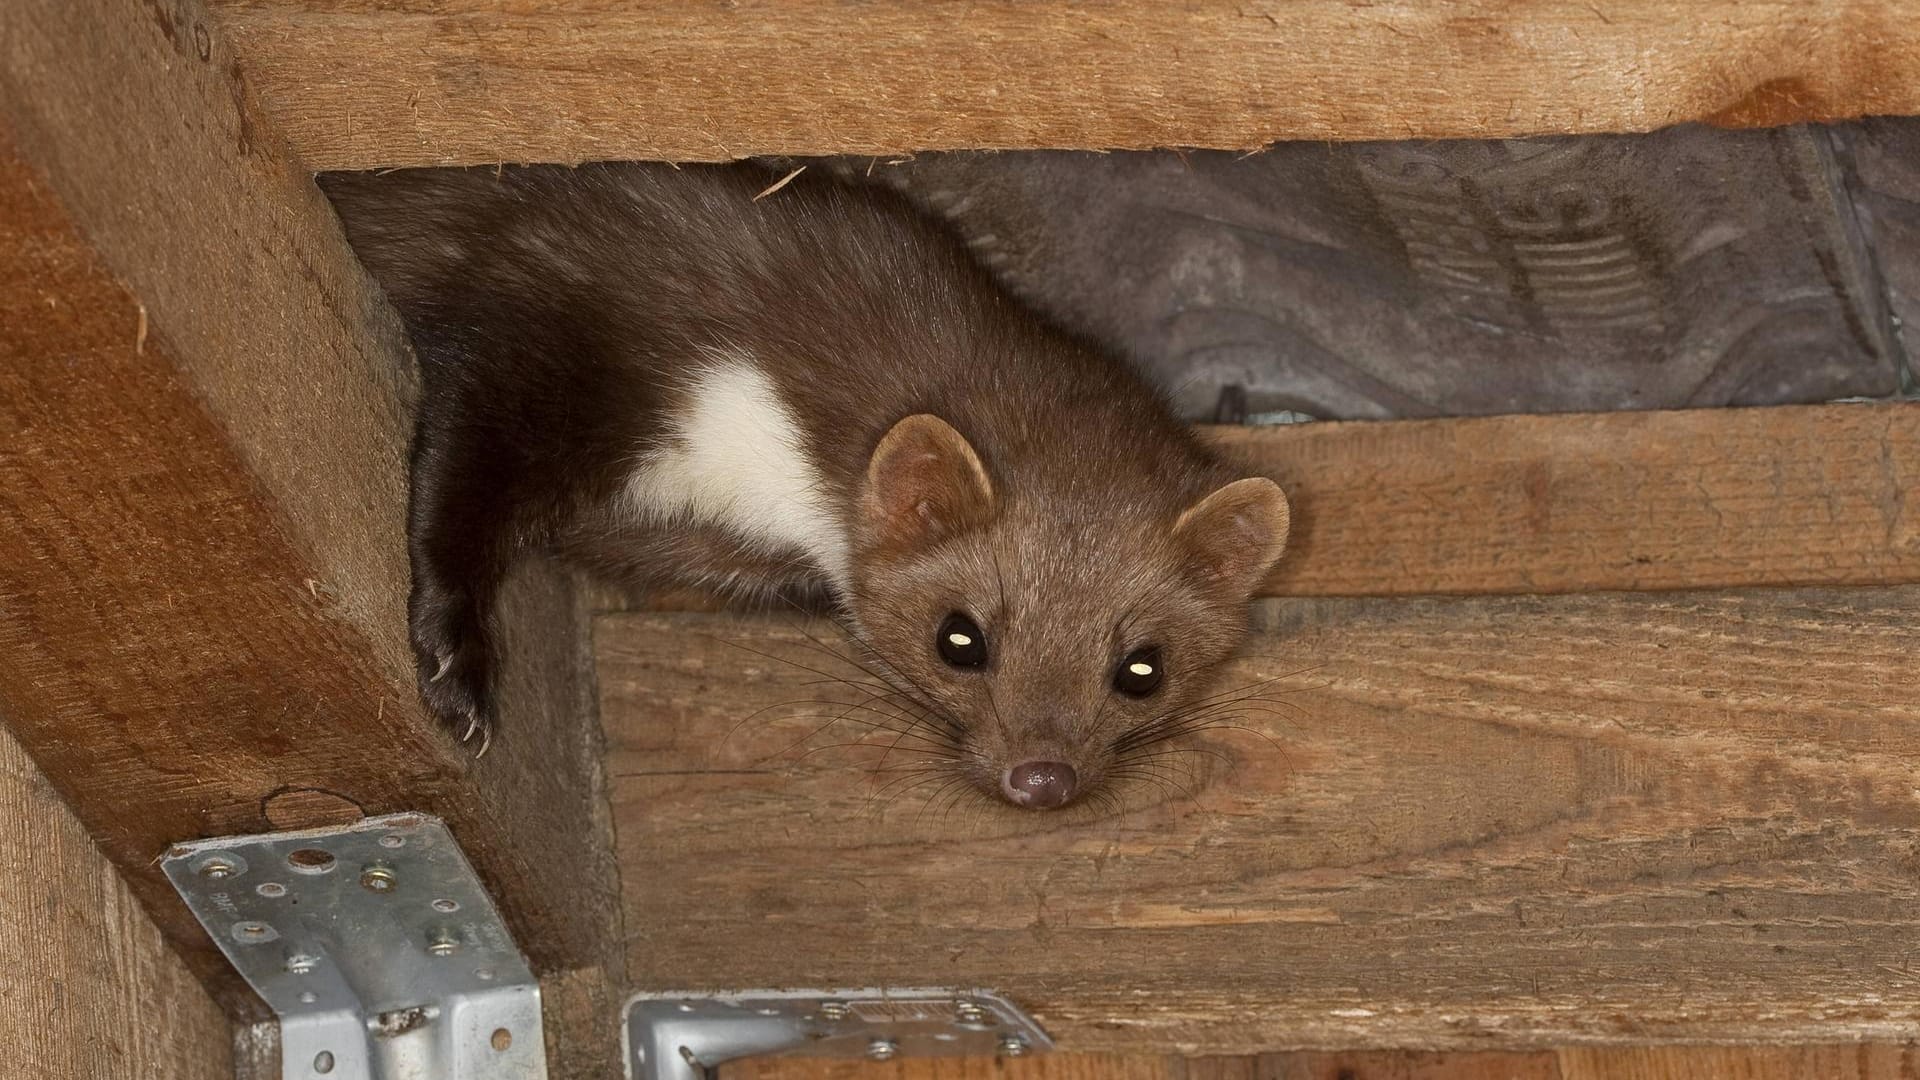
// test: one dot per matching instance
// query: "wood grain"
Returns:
(371, 83)
(1494, 823)
(1849, 1061)
(203, 410)
(1706, 498)
(90, 988)
(1375, 1065)
(1043, 1067)
(1863, 1061)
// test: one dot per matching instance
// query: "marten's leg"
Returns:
(468, 520)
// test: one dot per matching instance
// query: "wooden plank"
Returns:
(1044, 1067)
(1860, 1061)
(1703, 498)
(91, 988)
(1840, 1061)
(1363, 1065)
(203, 405)
(1373, 1065)
(370, 83)
(1709, 498)
(1493, 823)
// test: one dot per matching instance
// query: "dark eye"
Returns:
(1139, 674)
(961, 643)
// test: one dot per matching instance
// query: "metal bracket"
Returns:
(376, 945)
(684, 1037)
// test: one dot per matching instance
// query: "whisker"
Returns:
(919, 783)
(935, 797)
(1167, 785)
(847, 714)
(939, 755)
(1176, 752)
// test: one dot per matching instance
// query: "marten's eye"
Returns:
(1139, 674)
(961, 643)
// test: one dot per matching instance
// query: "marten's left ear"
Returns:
(924, 483)
(1236, 533)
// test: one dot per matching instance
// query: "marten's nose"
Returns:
(1038, 785)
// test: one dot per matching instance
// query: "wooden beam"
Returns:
(371, 83)
(1044, 1067)
(1492, 823)
(1836, 1061)
(203, 403)
(1711, 498)
(92, 989)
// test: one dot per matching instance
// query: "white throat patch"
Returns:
(733, 458)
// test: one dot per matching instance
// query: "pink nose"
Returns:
(1039, 785)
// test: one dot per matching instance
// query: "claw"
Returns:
(446, 662)
(473, 724)
(486, 740)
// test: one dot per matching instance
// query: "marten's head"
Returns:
(1052, 637)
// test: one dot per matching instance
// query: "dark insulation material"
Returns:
(1689, 267)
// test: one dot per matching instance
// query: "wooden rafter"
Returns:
(374, 83)
(202, 423)
(1709, 498)
(1502, 822)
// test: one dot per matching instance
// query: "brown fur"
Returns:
(554, 308)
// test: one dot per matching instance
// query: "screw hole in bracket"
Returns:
(309, 860)
(249, 932)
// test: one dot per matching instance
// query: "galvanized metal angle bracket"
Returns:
(376, 945)
(684, 1037)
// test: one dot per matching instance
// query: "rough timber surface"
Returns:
(1492, 823)
(91, 988)
(202, 405)
(1700, 498)
(372, 83)
(1836, 1061)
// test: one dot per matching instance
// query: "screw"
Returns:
(970, 1012)
(378, 878)
(883, 1049)
(301, 963)
(442, 943)
(834, 1010)
(218, 869)
(1013, 1045)
(445, 906)
(392, 840)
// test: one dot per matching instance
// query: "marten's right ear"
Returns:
(924, 483)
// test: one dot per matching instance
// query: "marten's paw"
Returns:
(454, 655)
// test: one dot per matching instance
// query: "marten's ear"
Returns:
(924, 483)
(1236, 534)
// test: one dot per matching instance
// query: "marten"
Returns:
(653, 372)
